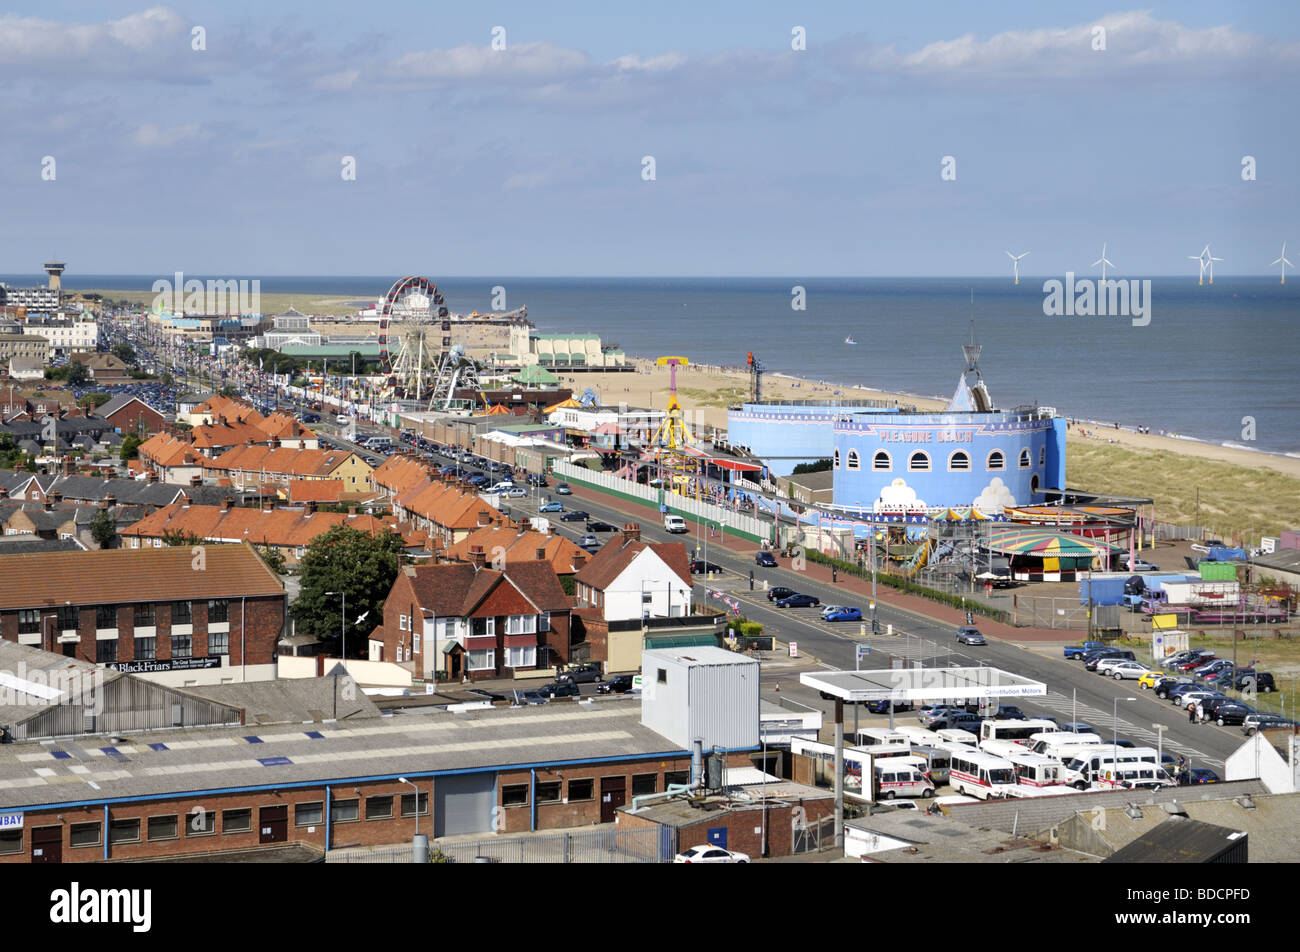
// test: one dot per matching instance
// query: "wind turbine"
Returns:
(1201, 260)
(1103, 261)
(1015, 262)
(1210, 262)
(1283, 262)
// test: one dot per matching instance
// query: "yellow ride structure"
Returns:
(673, 435)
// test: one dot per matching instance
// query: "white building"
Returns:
(629, 579)
(65, 336)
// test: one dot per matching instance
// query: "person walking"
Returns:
(1200, 713)
(1191, 713)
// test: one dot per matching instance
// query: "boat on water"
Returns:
(849, 340)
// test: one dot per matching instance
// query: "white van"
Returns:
(1145, 776)
(1087, 768)
(894, 778)
(880, 737)
(343, 419)
(917, 735)
(1052, 745)
(1001, 748)
(955, 735)
(675, 524)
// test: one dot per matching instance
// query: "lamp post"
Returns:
(417, 802)
(1160, 743)
(1114, 753)
(875, 625)
(343, 623)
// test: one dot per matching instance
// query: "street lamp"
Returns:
(417, 802)
(1114, 754)
(875, 625)
(1160, 742)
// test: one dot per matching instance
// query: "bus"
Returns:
(1088, 765)
(937, 761)
(897, 777)
(880, 736)
(981, 775)
(1019, 731)
(1035, 770)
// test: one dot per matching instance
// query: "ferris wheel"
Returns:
(412, 321)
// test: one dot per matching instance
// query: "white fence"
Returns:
(690, 508)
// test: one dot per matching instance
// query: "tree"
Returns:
(567, 584)
(167, 380)
(820, 466)
(130, 447)
(124, 352)
(78, 375)
(180, 537)
(273, 558)
(346, 560)
(11, 457)
(93, 401)
(103, 528)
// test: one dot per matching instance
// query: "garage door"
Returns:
(463, 804)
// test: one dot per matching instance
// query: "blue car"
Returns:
(1078, 651)
(882, 707)
(550, 507)
(848, 613)
(798, 601)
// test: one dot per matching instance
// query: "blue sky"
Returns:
(528, 160)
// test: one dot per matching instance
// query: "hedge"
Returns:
(908, 587)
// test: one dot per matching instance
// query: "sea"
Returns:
(1218, 363)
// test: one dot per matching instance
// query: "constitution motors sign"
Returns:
(173, 664)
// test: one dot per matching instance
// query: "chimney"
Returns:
(151, 477)
(57, 496)
(102, 504)
(631, 532)
(67, 467)
(4, 493)
(352, 510)
(579, 560)
(541, 555)
(268, 504)
(484, 517)
(477, 557)
(110, 499)
(48, 503)
(225, 503)
(310, 506)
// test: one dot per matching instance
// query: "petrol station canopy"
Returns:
(915, 684)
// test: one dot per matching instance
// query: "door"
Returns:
(613, 794)
(69, 649)
(47, 844)
(463, 804)
(718, 836)
(273, 824)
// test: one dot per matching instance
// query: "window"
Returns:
(958, 461)
(162, 827)
(514, 795)
(345, 811)
(482, 627)
(548, 792)
(644, 783)
(83, 834)
(11, 841)
(544, 621)
(105, 651)
(581, 790)
(408, 804)
(918, 462)
(1024, 459)
(68, 617)
(997, 460)
(837, 458)
(181, 614)
(1042, 456)
(29, 622)
(401, 623)
(521, 657)
(309, 814)
(145, 649)
(200, 822)
(1033, 483)
(379, 808)
(218, 610)
(144, 615)
(882, 462)
(521, 624)
(106, 616)
(182, 645)
(482, 660)
(236, 821)
(677, 777)
(854, 462)
(218, 642)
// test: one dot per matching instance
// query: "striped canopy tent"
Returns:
(563, 404)
(498, 409)
(1035, 543)
(958, 515)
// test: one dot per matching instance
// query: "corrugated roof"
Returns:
(1179, 840)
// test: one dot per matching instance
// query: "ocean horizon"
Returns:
(1215, 364)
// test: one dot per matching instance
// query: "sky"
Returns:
(127, 150)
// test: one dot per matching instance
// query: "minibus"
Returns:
(1087, 766)
(981, 775)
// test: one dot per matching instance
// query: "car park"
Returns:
(843, 613)
(765, 559)
(575, 515)
(967, 635)
(710, 854)
(798, 600)
(550, 506)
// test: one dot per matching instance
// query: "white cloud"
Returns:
(150, 135)
(532, 61)
(28, 39)
(338, 82)
(898, 494)
(994, 497)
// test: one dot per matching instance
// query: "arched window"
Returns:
(854, 461)
(1024, 459)
(1033, 483)
(1042, 456)
(918, 462)
(958, 461)
(881, 462)
(996, 460)
(837, 457)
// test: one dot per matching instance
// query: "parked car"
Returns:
(550, 506)
(1192, 698)
(1263, 681)
(710, 854)
(1078, 727)
(597, 525)
(1150, 679)
(575, 515)
(1197, 775)
(589, 541)
(1212, 668)
(701, 567)
(1009, 712)
(959, 720)
(882, 707)
(798, 600)
(517, 492)
(1183, 656)
(1232, 713)
(1098, 657)
(562, 489)
(1077, 652)
(1215, 543)
(1165, 686)
(778, 592)
(929, 714)
(618, 684)
(1124, 670)
(1192, 665)
(967, 635)
(1138, 565)
(765, 558)
(1264, 722)
(536, 479)
(584, 673)
(843, 613)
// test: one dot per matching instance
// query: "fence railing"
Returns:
(1169, 531)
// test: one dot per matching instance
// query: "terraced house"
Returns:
(176, 615)
(252, 467)
(445, 511)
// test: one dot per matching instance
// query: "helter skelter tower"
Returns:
(673, 435)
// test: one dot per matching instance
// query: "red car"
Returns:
(1194, 663)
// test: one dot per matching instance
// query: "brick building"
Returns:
(132, 415)
(177, 615)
